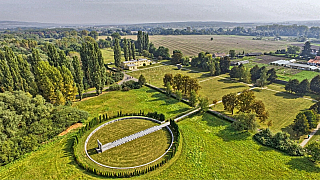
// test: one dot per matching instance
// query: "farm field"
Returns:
(133, 153)
(191, 45)
(145, 99)
(155, 75)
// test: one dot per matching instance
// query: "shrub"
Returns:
(115, 87)
(280, 141)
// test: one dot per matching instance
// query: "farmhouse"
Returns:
(289, 64)
(134, 64)
(237, 63)
(219, 55)
(315, 61)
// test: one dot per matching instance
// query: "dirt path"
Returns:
(75, 126)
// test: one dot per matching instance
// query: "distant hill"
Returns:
(192, 24)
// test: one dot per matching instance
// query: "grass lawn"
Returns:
(155, 75)
(216, 87)
(212, 150)
(145, 99)
(282, 107)
(285, 75)
(133, 153)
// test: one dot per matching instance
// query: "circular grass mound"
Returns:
(134, 153)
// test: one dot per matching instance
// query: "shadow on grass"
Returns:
(234, 87)
(286, 95)
(226, 81)
(303, 164)
(265, 148)
(229, 134)
(162, 97)
(205, 75)
(92, 151)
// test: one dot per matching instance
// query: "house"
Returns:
(254, 54)
(315, 61)
(134, 64)
(221, 55)
(237, 63)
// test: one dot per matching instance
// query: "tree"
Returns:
(245, 122)
(312, 118)
(117, 53)
(293, 49)
(130, 50)
(140, 41)
(168, 89)
(306, 52)
(260, 110)
(125, 49)
(204, 104)
(177, 82)
(262, 81)
(193, 100)
(53, 55)
(235, 73)
(69, 89)
(255, 74)
(142, 80)
(6, 81)
(176, 57)
(168, 78)
(272, 75)
(14, 69)
(133, 50)
(229, 102)
(292, 85)
(218, 70)
(245, 101)
(179, 95)
(313, 152)
(232, 53)
(78, 78)
(303, 87)
(269, 123)
(212, 68)
(300, 125)
(315, 84)
(225, 64)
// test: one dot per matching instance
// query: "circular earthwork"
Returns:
(156, 138)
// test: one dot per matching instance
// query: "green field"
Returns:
(133, 153)
(212, 150)
(217, 87)
(145, 99)
(193, 44)
(155, 75)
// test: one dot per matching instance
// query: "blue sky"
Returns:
(144, 11)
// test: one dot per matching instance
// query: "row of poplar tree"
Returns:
(57, 79)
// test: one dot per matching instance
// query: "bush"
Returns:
(131, 85)
(280, 141)
(115, 87)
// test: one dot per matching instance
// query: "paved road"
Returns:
(305, 141)
(133, 136)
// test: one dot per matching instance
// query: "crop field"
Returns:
(155, 75)
(133, 153)
(145, 99)
(191, 45)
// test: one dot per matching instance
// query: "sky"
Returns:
(150, 11)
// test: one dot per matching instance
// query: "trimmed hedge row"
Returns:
(280, 141)
(95, 121)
